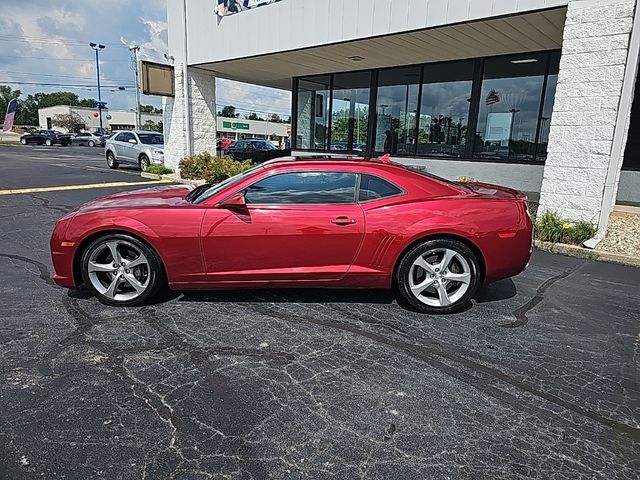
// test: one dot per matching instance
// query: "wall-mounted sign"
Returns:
(157, 79)
(229, 7)
(235, 125)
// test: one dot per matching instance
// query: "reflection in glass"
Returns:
(350, 111)
(312, 117)
(509, 107)
(444, 109)
(397, 106)
(304, 188)
(547, 108)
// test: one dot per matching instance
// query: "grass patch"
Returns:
(551, 227)
(210, 168)
(158, 170)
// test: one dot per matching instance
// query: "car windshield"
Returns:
(266, 145)
(151, 138)
(213, 189)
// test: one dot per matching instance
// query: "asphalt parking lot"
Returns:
(540, 378)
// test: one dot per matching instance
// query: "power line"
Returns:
(56, 59)
(61, 76)
(10, 82)
(68, 43)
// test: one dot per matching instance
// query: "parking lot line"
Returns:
(88, 186)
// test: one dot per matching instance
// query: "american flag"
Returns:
(492, 98)
(11, 113)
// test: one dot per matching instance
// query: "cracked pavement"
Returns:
(539, 379)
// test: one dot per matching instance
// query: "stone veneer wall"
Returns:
(202, 116)
(592, 67)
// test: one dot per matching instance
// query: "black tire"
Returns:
(404, 271)
(111, 161)
(23, 141)
(48, 142)
(92, 143)
(157, 277)
(144, 162)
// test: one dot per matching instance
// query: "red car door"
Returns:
(295, 227)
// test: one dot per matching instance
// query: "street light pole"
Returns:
(97, 48)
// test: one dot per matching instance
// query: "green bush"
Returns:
(158, 170)
(550, 227)
(211, 168)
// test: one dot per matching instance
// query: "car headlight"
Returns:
(157, 153)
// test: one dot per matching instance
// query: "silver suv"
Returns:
(136, 147)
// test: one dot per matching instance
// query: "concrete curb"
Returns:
(172, 177)
(581, 252)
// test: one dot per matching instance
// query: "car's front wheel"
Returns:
(48, 142)
(144, 162)
(23, 141)
(92, 143)
(111, 160)
(438, 276)
(121, 270)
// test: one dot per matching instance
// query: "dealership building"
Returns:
(534, 94)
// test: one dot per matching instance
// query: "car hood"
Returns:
(165, 196)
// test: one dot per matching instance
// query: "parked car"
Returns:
(223, 143)
(88, 139)
(299, 223)
(257, 149)
(46, 137)
(135, 147)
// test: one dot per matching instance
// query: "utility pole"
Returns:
(134, 58)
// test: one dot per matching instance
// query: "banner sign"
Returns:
(10, 116)
(229, 7)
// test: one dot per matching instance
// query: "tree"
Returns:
(146, 108)
(228, 111)
(153, 126)
(71, 122)
(254, 116)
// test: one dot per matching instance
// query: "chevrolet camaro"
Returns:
(296, 222)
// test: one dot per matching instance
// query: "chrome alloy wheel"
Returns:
(119, 270)
(439, 277)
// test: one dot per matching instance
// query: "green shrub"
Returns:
(211, 168)
(158, 170)
(550, 227)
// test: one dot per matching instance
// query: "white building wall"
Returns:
(294, 24)
(592, 67)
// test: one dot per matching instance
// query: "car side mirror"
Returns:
(132, 140)
(236, 200)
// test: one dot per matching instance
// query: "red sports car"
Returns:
(296, 222)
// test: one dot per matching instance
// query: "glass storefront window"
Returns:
(509, 107)
(312, 117)
(444, 109)
(350, 111)
(397, 107)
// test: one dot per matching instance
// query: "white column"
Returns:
(199, 134)
(588, 110)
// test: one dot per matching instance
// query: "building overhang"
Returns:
(528, 32)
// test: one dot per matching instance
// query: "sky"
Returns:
(47, 42)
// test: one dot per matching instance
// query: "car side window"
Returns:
(304, 188)
(128, 136)
(120, 137)
(373, 188)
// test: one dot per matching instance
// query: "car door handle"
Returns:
(343, 221)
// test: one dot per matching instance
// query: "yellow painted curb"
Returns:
(78, 187)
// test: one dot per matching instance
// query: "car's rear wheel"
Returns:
(48, 142)
(92, 143)
(438, 276)
(144, 162)
(121, 270)
(23, 141)
(111, 160)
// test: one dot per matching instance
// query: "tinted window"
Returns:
(151, 138)
(374, 187)
(304, 188)
(313, 113)
(121, 137)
